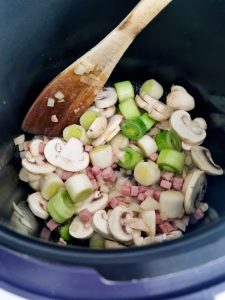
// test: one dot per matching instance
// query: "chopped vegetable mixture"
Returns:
(132, 173)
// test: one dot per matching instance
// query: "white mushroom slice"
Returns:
(49, 185)
(24, 175)
(203, 160)
(112, 134)
(186, 146)
(19, 140)
(113, 245)
(94, 204)
(201, 123)
(79, 187)
(38, 205)
(110, 131)
(97, 127)
(171, 205)
(138, 224)
(149, 219)
(179, 98)
(156, 109)
(190, 132)
(34, 146)
(119, 230)
(79, 230)
(109, 111)
(150, 204)
(119, 142)
(46, 168)
(100, 223)
(194, 188)
(35, 185)
(69, 157)
(102, 156)
(106, 98)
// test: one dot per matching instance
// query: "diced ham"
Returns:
(149, 193)
(166, 184)
(127, 199)
(85, 216)
(95, 184)
(114, 202)
(166, 227)
(90, 175)
(26, 146)
(96, 171)
(157, 195)
(142, 188)
(199, 214)
(158, 218)
(88, 148)
(178, 183)
(126, 190)
(41, 148)
(45, 234)
(134, 191)
(168, 176)
(52, 225)
(66, 175)
(154, 157)
(128, 183)
(107, 173)
(141, 197)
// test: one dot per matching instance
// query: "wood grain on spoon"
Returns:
(83, 79)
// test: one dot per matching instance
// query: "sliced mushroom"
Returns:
(190, 132)
(194, 188)
(38, 205)
(97, 127)
(34, 146)
(119, 142)
(173, 235)
(179, 98)
(186, 146)
(201, 123)
(138, 224)
(110, 132)
(203, 160)
(24, 175)
(67, 156)
(80, 230)
(117, 224)
(106, 98)
(108, 112)
(100, 223)
(37, 169)
(156, 109)
(171, 205)
(94, 204)
(35, 185)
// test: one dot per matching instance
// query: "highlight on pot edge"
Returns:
(132, 173)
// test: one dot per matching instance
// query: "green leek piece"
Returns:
(168, 139)
(61, 207)
(129, 109)
(97, 242)
(147, 120)
(171, 160)
(133, 129)
(124, 90)
(64, 233)
(130, 159)
(152, 88)
(88, 118)
(75, 131)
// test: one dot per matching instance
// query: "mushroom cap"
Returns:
(194, 188)
(191, 134)
(119, 142)
(79, 230)
(46, 168)
(38, 205)
(179, 98)
(118, 229)
(106, 97)
(34, 147)
(203, 160)
(109, 111)
(100, 223)
(35, 185)
(97, 127)
(93, 205)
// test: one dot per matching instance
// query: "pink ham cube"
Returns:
(166, 184)
(178, 183)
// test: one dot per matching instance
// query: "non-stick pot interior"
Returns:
(185, 45)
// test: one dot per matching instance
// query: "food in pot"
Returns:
(132, 173)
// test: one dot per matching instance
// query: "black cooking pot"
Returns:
(184, 45)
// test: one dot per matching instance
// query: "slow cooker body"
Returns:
(184, 45)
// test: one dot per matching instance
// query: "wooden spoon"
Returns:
(82, 80)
